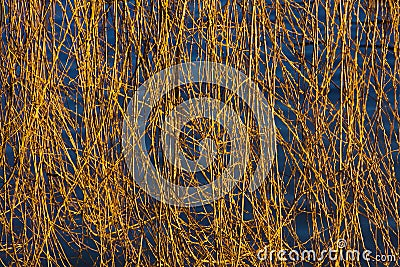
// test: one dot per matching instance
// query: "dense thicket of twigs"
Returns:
(331, 70)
